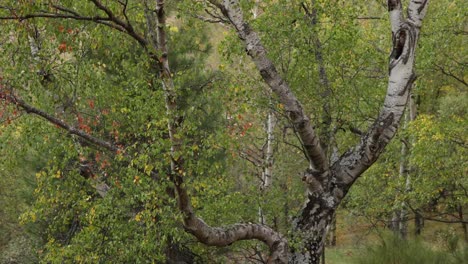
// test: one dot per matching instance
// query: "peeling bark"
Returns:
(310, 228)
(401, 77)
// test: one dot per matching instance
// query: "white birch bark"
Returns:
(267, 170)
(401, 217)
(405, 170)
(267, 173)
(401, 77)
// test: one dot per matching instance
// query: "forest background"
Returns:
(95, 193)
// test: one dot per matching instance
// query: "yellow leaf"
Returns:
(138, 217)
(136, 180)
(148, 169)
(174, 29)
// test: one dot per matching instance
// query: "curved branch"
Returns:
(110, 21)
(225, 236)
(206, 234)
(97, 19)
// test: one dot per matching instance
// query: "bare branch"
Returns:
(216, 3)
(60, 123)
(445, 221)
(66, 10)
(111, 21)
(461, 221)
(356, 130)
(128, 27)
(209, 20)
(450, 74)
(216, 16)
(368, 18)
(124, 10)
(251, 156)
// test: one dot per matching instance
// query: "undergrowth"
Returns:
(393, 250)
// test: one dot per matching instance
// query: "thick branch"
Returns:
(227, 235)
(417, 11)
(270, 75)
(401, 78)
(396, 16)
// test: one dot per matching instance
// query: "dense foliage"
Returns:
(65, 200)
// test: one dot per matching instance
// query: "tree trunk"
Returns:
(395, 222)
(405, 170)
(267, 168)
(418, 223)
(402, 224)
(463, 223)
(327, 185)
(311, 230)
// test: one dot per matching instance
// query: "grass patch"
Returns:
(393, 250)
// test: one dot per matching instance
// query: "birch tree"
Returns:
(326, 182)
